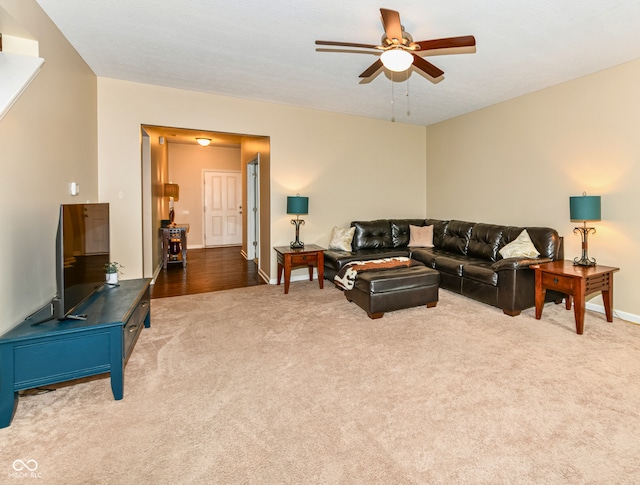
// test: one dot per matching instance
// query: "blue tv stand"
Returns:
(57, 351)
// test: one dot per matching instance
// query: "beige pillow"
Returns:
(341, 238)
(421, 237)
(520, 247)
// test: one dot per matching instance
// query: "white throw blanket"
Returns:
(346, 277)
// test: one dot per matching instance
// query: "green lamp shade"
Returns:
(584, 208)
(297, 205)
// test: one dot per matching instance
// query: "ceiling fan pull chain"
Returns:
(408, 99)
(393, 117)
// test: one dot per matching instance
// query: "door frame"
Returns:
(252, 209)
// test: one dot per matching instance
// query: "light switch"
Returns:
(74, 188)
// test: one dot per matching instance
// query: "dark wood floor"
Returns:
(211, 269)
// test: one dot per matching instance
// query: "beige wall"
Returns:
(48, 139)
(187, 164)
(350, 167)
(519, 162)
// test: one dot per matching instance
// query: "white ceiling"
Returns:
(265, 50)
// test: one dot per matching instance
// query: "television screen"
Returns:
(82, 250)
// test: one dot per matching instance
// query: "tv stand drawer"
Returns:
(133, 326)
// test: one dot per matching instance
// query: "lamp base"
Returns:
(297, 244)
(584, 260)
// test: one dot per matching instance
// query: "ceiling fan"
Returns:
(400, 52)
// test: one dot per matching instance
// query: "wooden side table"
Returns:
(310, 255)
(576, 282)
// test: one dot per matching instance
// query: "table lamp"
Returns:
(582, 209)
(297, 205)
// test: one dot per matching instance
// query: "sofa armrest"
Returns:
(517, 263)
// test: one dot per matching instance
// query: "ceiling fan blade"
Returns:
(391, 22)
(346, 44)
(447, 43)
(372, 69)
(426, 67)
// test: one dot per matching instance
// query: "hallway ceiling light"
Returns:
(204, 141)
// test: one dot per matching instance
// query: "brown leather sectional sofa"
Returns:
(466, 254)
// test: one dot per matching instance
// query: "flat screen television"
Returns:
(82, 250)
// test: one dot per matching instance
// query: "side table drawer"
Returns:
(563, 284)
(311, 258)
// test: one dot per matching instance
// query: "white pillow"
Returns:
(421, 236)
(341, 238)
(520, 247)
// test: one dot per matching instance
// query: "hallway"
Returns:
(209, 269)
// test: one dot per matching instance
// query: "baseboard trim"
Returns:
(264, 276)
(300, 277)
(156, 273)
(627, 317)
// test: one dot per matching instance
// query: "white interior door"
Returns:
(222, 208)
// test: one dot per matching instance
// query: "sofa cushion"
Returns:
(450, 263)
(400, 231)
(427, 256)
(520, 247)
(421, 237)
(480, 271)
(456, 237)
(439, 228)
(485, 240)
(372, 234)
(341, 238)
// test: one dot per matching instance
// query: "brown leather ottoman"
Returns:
(386, 290)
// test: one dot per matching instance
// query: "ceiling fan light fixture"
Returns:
(396, 59)
(203, 141)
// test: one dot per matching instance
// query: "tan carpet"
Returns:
(254, 386)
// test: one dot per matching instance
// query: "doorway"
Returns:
(155, 147)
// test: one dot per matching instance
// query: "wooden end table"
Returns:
(310, 255)
(576, 282)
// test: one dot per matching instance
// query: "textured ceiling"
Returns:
(265, 50)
